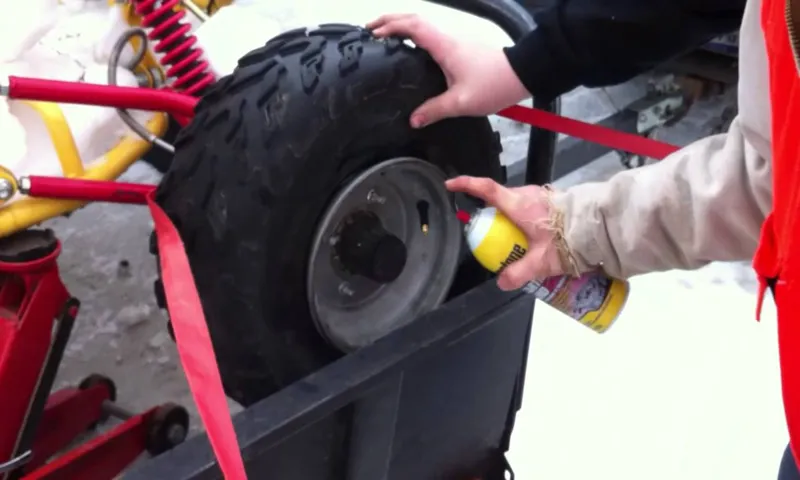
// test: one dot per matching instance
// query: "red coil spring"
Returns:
(182, 59)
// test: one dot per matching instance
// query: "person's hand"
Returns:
(529, 208)
(480, 80)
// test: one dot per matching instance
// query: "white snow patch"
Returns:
(60, 42)
(684, 386)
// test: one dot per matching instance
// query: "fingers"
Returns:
(531, 266)
(435, 109)
(519, 205)
(423, 34)
(487, 190)
(384, 19)
(438, 45)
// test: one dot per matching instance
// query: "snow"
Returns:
(685, 385)
(72, 42)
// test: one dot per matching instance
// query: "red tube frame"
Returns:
(180, 106)
(137, 98)
(85, 190)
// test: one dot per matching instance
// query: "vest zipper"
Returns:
(794, 39)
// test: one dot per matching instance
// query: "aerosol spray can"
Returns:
(594, 299)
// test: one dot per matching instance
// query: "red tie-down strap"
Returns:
(194, 344)
(193, 340)
(186, 312)
(608, 137)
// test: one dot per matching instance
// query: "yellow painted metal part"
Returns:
(211, 6)
(61, 137)
(131, 18)
(27, 212)
(208, 6)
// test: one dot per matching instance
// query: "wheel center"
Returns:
(385, 251)
(366, 248)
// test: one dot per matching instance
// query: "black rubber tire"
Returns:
(268, 148)
(159, 437)
(111, 387)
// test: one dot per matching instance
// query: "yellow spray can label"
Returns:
(594, 299)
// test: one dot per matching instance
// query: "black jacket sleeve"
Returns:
(598, 43)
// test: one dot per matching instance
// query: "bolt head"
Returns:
(374, 197)
(176, 434)
(346, 290)
(6, 189)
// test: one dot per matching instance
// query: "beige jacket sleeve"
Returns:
(703, 203)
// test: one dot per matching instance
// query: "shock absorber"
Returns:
(171, 36)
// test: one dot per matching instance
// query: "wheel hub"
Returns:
(385, 252)
(366, 248)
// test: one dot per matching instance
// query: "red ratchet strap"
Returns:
(608, 137)
(186, 312)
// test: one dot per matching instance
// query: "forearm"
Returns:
(598, 43)
(704, 203)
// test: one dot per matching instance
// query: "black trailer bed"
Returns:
(435, 400)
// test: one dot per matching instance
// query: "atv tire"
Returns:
(269, 146)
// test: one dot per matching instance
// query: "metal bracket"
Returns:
(659, 114)
(8, 185)
(665, 104)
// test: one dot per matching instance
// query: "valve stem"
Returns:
(422, 209)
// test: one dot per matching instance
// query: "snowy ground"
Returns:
(685, 386)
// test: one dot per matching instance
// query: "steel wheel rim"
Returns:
(352, 310)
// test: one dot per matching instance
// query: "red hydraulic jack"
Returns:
(36, 318)
(37, 313)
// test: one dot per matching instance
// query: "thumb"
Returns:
(435, 109)
(516, 275)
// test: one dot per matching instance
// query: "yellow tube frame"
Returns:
(27, 212)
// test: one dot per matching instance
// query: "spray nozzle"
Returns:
(463, 216)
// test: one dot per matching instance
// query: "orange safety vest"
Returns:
(777, 259)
